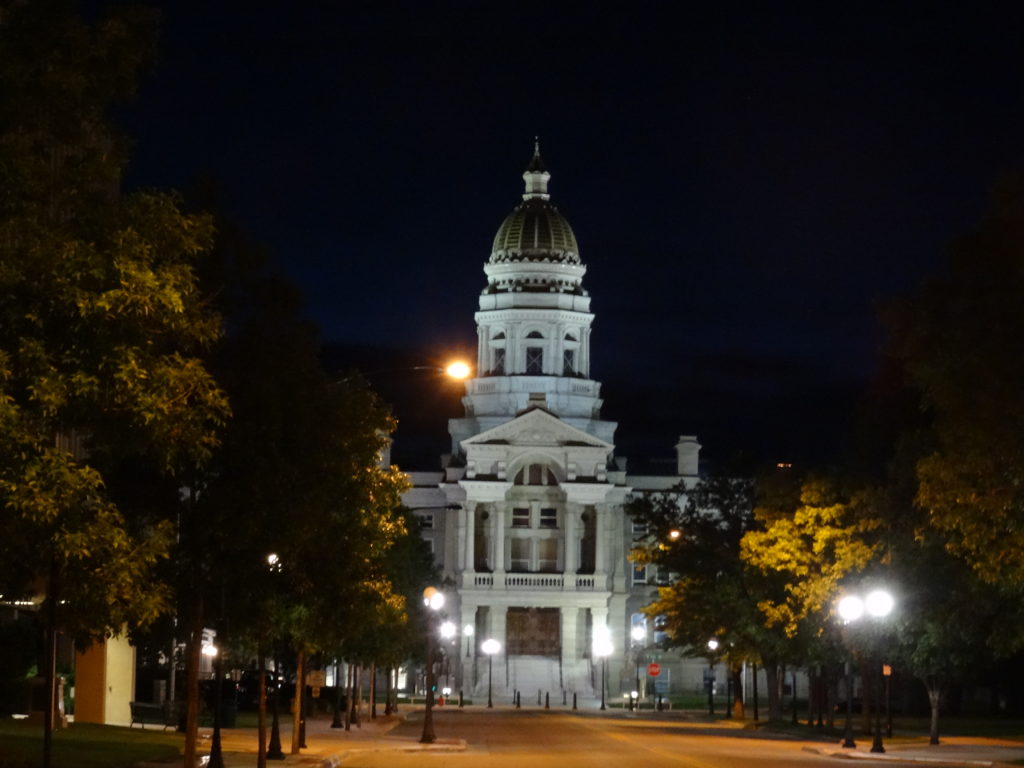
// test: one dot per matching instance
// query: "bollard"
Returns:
(519, 703)
(574, 700)
(538, 697)
(547, 701)
(563, 697)
(460, 699)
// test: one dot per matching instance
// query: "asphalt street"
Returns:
(539, 739)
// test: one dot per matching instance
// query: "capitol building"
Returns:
(525, 515)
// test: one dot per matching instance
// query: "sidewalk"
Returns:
(952, 751)
(325, 746)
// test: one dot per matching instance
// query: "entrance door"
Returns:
(534, 631)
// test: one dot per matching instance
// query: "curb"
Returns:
(936, 761)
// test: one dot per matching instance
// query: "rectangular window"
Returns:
(521, 518)
(519, 555)
(549, 518)
(639, 574)
(569, 362)
(547, 555)
(426, 521)
(499, 361)
(639, 528)
(535, 360)
(664, 577)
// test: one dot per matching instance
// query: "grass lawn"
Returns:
(911, 729)
(85, 746)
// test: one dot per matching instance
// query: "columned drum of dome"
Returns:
(534, 321)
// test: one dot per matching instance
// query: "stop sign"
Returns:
(653, 669)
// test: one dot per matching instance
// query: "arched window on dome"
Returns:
(497, 345)
(534, 354)
(569, 362)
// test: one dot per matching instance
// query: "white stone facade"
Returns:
(526, 517)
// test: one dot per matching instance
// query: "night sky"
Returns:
(745, 182)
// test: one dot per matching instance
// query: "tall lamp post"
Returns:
(712, 647)
(602, 649)
(490, 646)
(433, 598)
(877, 604)
(638, 635)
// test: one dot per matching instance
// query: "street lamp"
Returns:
(602, 649)
(638, 635)
(712, 646)
(877, 604)
(490, 646)
(433, 598)
(468, 631)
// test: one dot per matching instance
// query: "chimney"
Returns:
(687, 455)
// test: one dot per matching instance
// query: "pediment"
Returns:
(537, 427)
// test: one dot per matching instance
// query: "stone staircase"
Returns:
(532, 674)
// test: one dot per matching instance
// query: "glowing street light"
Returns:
(433, 598)
(712, 646)
(490, 646)
(458, 370)
(877, 604)
(468, 631)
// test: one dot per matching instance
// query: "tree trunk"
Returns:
(194, 649)
(373, 690)
(831, 695)
(50, 670)
(387, 692)
(348, 696)
(261, 711)
(738, 710)
(300, 678)
(935, 700)
(771, 671)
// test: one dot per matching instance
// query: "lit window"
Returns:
(639, 574)
(520, 518)
(549, 518)
(535, 360)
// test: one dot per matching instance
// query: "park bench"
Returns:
(157, 714)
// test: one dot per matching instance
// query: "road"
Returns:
(540, 739)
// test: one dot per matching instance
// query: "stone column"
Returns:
(470, 542)
(570, 544)
(601, 545)
(498, 561)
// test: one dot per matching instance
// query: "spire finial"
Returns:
(536, 175)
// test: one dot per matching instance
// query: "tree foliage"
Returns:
(102, 326)
(957, 338)
(815, 541)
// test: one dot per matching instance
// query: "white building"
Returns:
(526, 515)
